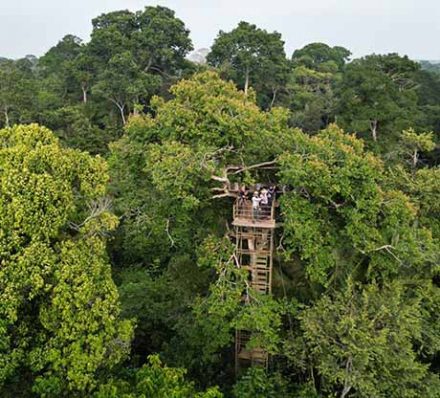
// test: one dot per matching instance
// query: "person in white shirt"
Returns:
(255, 206)
(264, 202)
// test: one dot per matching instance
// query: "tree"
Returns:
(161, 42)
(378, 95)
(252, 57)
(17, 89)
(316, 69)
(339, 217)
(123, 83)
(57, 69)
(134, 54)
(166, 169)
(428, 91)
(58, 57)
(321, 57)
(83, 72)
(59, 316)
(155, 380)
(258, 384)
(414, 143)
(166, 172)
(360, 340)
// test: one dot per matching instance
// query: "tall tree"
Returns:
(59, 311)
(123, 83)
(56, 69)
(360, 340)
(252, 57)
(316, 69)
(150, 46)
(378, 96)
(17, 92)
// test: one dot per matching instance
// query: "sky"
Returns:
(410, 27)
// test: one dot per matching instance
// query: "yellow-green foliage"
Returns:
(58, 304)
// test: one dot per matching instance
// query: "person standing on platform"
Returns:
(271, 195)
(256, 199)
(242, 200)
(264, 202)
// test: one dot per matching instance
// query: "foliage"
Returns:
(133, 52)
(258, 384)
(16, 91)
(414, 143)
(60, 312)
(162, 167)
(378, 96)
(337, 216)
(355, 289)
(361, 343)
(316, 69)
(155, 380)
(252, 57)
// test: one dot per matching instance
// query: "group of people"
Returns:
(262, 200)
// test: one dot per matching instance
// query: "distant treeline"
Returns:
(86, 91)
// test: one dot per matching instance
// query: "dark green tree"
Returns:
(17, 92)
(316, 69)
(252, 57)
(378, 97)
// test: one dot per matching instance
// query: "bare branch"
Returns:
(224, 195)
(96, 208)
(221, 179)
(255, 166)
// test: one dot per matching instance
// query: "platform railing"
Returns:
(243, 210)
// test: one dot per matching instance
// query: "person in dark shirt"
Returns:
(271, 195)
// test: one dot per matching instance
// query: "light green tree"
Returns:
(59, 311)
(167, 168)
(414, 143)
(360, 340)
(155, 380)
(339, 216)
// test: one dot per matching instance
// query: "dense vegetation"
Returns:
(116, 274)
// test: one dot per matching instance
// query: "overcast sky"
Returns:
(409, 27)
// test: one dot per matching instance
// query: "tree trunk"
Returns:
(5, 111)
(246, 81)
(345, 391)
(373, 128)
(348, 369)
(274, 96)
(121, 110)
(150, 62)
(84, 91)
(415, 158)
(136, 107)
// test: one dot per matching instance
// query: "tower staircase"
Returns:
(253, 236)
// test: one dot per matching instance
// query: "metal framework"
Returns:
(253, 235)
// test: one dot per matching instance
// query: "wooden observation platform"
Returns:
(253, 235)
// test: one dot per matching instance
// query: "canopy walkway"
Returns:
(253, 236)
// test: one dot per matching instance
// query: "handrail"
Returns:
(244, 210)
